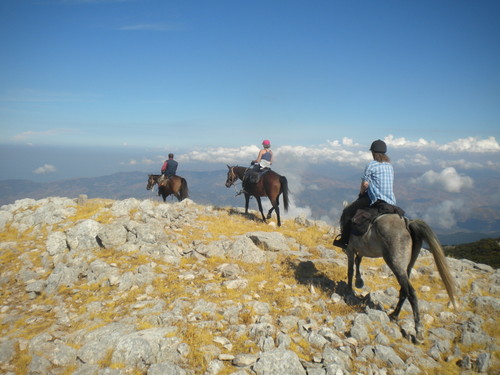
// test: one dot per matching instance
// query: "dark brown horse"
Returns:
(270, 185)
(175, 185)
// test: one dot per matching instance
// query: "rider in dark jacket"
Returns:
(169, 167)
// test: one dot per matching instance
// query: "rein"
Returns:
(234, 181)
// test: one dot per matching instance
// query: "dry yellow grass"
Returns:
(278, 283)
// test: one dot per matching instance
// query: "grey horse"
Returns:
(398, 240)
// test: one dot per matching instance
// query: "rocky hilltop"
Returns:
(142, 287)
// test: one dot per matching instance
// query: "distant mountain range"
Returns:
(323, 196)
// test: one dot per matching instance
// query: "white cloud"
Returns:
(322, 154)
(421, 159)
(417, 159)
(244, 154)
(33, 135)
(348, 142)
(448, 179)
(144, 161)
(46, 168)
(404, 143)
(404, 154)
(472, 144)
(463, 164)
(444, 214)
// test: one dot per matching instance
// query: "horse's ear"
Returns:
(228, 166)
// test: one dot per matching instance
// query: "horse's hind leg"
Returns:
(350, 267)
(178, 196)
(359, 280)
(259, 203)
(277, 209)
(415, 251)
(275, 206)
(407, 291)
(269, 213)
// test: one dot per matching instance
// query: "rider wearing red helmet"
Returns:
(265, 158)
(260, 165)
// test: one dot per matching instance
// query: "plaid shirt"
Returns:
(380, 178)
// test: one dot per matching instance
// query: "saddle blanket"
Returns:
(252, 176)
(365, 216)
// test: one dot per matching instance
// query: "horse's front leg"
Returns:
(359, 280)
(350, 268)
(276, 208)
(247, 201)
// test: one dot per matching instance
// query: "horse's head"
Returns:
(151, 182)
(231, 177)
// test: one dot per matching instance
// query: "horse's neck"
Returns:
(241, 172)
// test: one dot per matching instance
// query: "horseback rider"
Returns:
(168, 169)
(265, 157)
(259, 166)
(376, 188)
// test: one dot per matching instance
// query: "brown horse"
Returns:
(270, 185)
(175, 185)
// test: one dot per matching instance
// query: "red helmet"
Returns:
(266, 143)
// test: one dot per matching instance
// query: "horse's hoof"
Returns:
(359, 284)
(419, 340)
(419, 335)
(269, 216)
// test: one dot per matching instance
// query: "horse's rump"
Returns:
(382, 233)
(176, 185)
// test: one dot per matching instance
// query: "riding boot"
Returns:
(342, 240)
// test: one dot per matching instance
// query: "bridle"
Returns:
(152, 181)
(232, 178)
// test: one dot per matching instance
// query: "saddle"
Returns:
(163, 180)
(364, 217)
(253, 176)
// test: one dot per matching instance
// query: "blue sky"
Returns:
(193, 74)
(115, 85)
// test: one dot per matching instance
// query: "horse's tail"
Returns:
(184, 189)
(420, 230)
(284, 191)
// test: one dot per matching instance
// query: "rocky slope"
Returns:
(141, 287)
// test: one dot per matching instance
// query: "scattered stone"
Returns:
(131, 254)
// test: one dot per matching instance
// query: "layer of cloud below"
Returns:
(448, 180)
